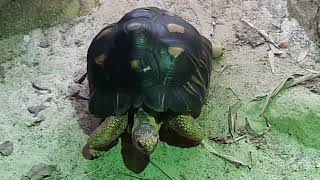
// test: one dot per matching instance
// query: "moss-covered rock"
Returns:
(311, 20)
(294, 111)
(298, 114)
(20, 16)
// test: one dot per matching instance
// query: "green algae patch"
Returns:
(295, 112)
(298, 114)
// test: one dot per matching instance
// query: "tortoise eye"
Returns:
(140, 145)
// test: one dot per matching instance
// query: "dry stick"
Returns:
(223, 69)
(282, 86)
(209, 105)
(272, 93)
(231, 122)
(223, 156)
(237, 139)
(262, 32)
(303, 54)
(81, 79)
(271, 61)
(40, 88)
(161, 170)
(304, 78)
(234, 93)
(134, 176)
(312, 71)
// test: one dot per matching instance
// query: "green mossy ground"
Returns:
(295, 112)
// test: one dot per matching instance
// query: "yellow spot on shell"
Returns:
(135, 64)
(175, 51)
(100, 59)
(104, 32)
(133, 26)
(175, 28)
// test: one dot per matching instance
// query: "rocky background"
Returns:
(271, 52)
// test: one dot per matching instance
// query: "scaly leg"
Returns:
(187, 127)
(108, 131)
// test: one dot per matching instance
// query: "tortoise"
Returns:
(150, 64)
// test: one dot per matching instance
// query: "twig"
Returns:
(134, 176)
(234, 93)
(259, 97)
(209, 105)
(249, 129)
(303, 54)
(312, 71)
(304, 78)
(236, 106)
(261, 32)
(40, 88)
(161, 170)
(271, 61)
(250, 156)
(231, 123)
(272, 93)
(237, 139)
(223, 156)
(82, 78)
(276, 26)
(221, 71)
(99, 167)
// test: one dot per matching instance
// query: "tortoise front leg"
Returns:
(109, 130)
(187, 127)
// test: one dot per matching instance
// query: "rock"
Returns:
(40, 171)
(310, 20)
(6, 148)
(36, 109)
(247, 35)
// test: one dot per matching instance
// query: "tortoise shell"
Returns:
(149, 58)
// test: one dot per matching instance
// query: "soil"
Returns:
(53, 58)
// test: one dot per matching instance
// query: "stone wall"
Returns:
(307, 12)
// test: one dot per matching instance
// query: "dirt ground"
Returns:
(53, 58)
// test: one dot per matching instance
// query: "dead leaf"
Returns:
(303, 54)
(39, 172)
(271, 61)
(287, 83)
(6, 148)
(249, 129)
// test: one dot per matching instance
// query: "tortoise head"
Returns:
(145, 138)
